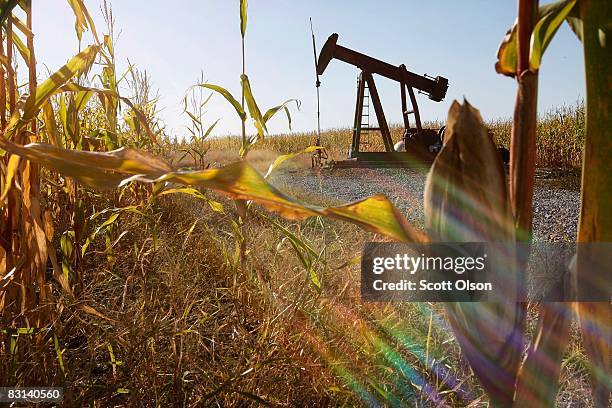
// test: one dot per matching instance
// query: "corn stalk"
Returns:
(595, 224)
(25, 230)
(538, 379)
(25, 241)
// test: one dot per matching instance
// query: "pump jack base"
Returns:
(385, 159)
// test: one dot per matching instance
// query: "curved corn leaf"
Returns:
(507, 56)
(277, 162)
(254, 111)
(80, 23)
(272, 111)
(243, 17)
(550, 18)
(575, 22)
(306, 255)
(228, 96)
(115, 213)
(238, 180)
(94, 169)
(83, 19)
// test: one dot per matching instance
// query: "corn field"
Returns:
(131, 279)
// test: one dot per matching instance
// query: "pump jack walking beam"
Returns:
(434, 87)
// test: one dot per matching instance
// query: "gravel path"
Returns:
(557, 201)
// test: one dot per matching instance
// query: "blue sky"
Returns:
(457, 40)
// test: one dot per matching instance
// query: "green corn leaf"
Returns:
(109, 222)
(297, 242)
(575, 22)
(254, 111)
(66, 246)
(304, 252)
(550, 18)
(228, 96)
(58, 353)
(81, 98)
(243, 17)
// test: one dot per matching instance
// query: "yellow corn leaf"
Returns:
(260, 124)
(21, 47)
(78, 65)
(238, 180)
(228, 96)
(21, 26)
(280, 159)
(284, 106)
(90, 310)
(11, 170)
(94, 169)
(84, 94)
(83, 19)
(214, 205)
(243, 17)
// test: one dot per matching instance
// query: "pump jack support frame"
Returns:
(415, 155)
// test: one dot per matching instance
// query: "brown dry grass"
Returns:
(191, 328)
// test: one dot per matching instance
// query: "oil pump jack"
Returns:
(419, 146)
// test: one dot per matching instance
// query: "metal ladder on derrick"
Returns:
(365, 115)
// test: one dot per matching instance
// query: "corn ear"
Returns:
(466, 200)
